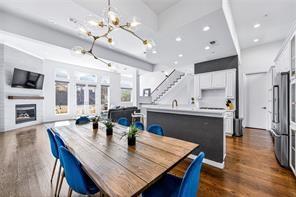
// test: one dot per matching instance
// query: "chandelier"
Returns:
(100, 28)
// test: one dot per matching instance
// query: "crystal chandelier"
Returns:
(100, 28)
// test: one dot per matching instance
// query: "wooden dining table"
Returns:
(116, 168)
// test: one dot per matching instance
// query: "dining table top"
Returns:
(116, 168)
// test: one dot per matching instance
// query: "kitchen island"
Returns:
(202, 126)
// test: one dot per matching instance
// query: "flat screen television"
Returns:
(27, 79)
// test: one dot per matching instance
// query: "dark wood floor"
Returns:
(250, 169)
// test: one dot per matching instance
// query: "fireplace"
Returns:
(25, 113)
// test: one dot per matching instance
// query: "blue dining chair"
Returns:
(173, 186)
(156, 129)
(77, 179)
(54, 150)
(82, 120)
(123, 121)
(139, 125)
(60, 143)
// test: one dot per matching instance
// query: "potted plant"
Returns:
(95, 121)
(109, 127)
(131, 135)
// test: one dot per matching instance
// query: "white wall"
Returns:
(150, 80)
(254, 60)
(182, 91)
(17, 59)
(11, 58)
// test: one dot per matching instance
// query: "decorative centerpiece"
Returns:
(109, 127)
(131, 135)
(95, 122)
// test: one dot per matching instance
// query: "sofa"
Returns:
(115, 114)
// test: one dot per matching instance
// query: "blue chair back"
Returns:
(82, 120)
(123, 121)
(139, 125)
(74, 173)
(60, 143)
(190, 183)
(53, 144)
(156, 129)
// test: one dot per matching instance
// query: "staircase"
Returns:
(169, 82)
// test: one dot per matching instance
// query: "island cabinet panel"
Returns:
(206, 131)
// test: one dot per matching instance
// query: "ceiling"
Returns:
(44, 50)
(275, 17)
(159, 6)
(164, 20)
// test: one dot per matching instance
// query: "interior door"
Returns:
(256, 100)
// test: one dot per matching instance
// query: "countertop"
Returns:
(186, 110)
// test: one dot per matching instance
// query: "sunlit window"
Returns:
(61, 94)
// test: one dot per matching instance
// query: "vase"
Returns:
(109, 131)
(131, 141)
(95, 125)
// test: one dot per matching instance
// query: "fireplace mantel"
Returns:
(26, 97)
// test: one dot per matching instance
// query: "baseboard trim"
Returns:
(209, 162)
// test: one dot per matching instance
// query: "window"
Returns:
(104, 98)
(92, 99)
(126, 94)
(61, 92)
(80, 109)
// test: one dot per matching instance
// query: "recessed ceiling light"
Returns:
(154, 52)
(180, 55)
(178, 39)
(256, 40)
(207, 48)
(206, 28)
(257, 25)
(175, 62)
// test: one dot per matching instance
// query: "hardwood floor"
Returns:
(250, 169)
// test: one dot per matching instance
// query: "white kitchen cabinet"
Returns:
(205, 80)
(228, 123)
(218, 79)
(197, 90)
(230, 84)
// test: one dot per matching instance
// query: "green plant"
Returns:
(109, 124)
(96, 119)
(132, 132)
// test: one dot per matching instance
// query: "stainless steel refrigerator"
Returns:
(280, 122)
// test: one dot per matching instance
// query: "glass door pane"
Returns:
(92, 99)
(293, 102)
(104, 98)
(80, 98)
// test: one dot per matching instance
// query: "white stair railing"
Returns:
(166, 85)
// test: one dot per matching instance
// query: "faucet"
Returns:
(174, 101)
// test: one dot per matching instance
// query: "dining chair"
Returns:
(139, 125)
(82, 120)
(173, 186)
(77, 179)
(123, 121)
(54, 150)
(60, 143)
(156, 129)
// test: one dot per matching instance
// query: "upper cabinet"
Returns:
(224, 79)
(205, 80)
(230, 84)
(218, 79)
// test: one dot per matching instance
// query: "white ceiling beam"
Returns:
(15, 24)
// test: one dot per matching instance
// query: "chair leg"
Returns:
(60, 186)
(58, 179)
(69, 192)
(54, 167)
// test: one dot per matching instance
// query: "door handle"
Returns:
(263, 107)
